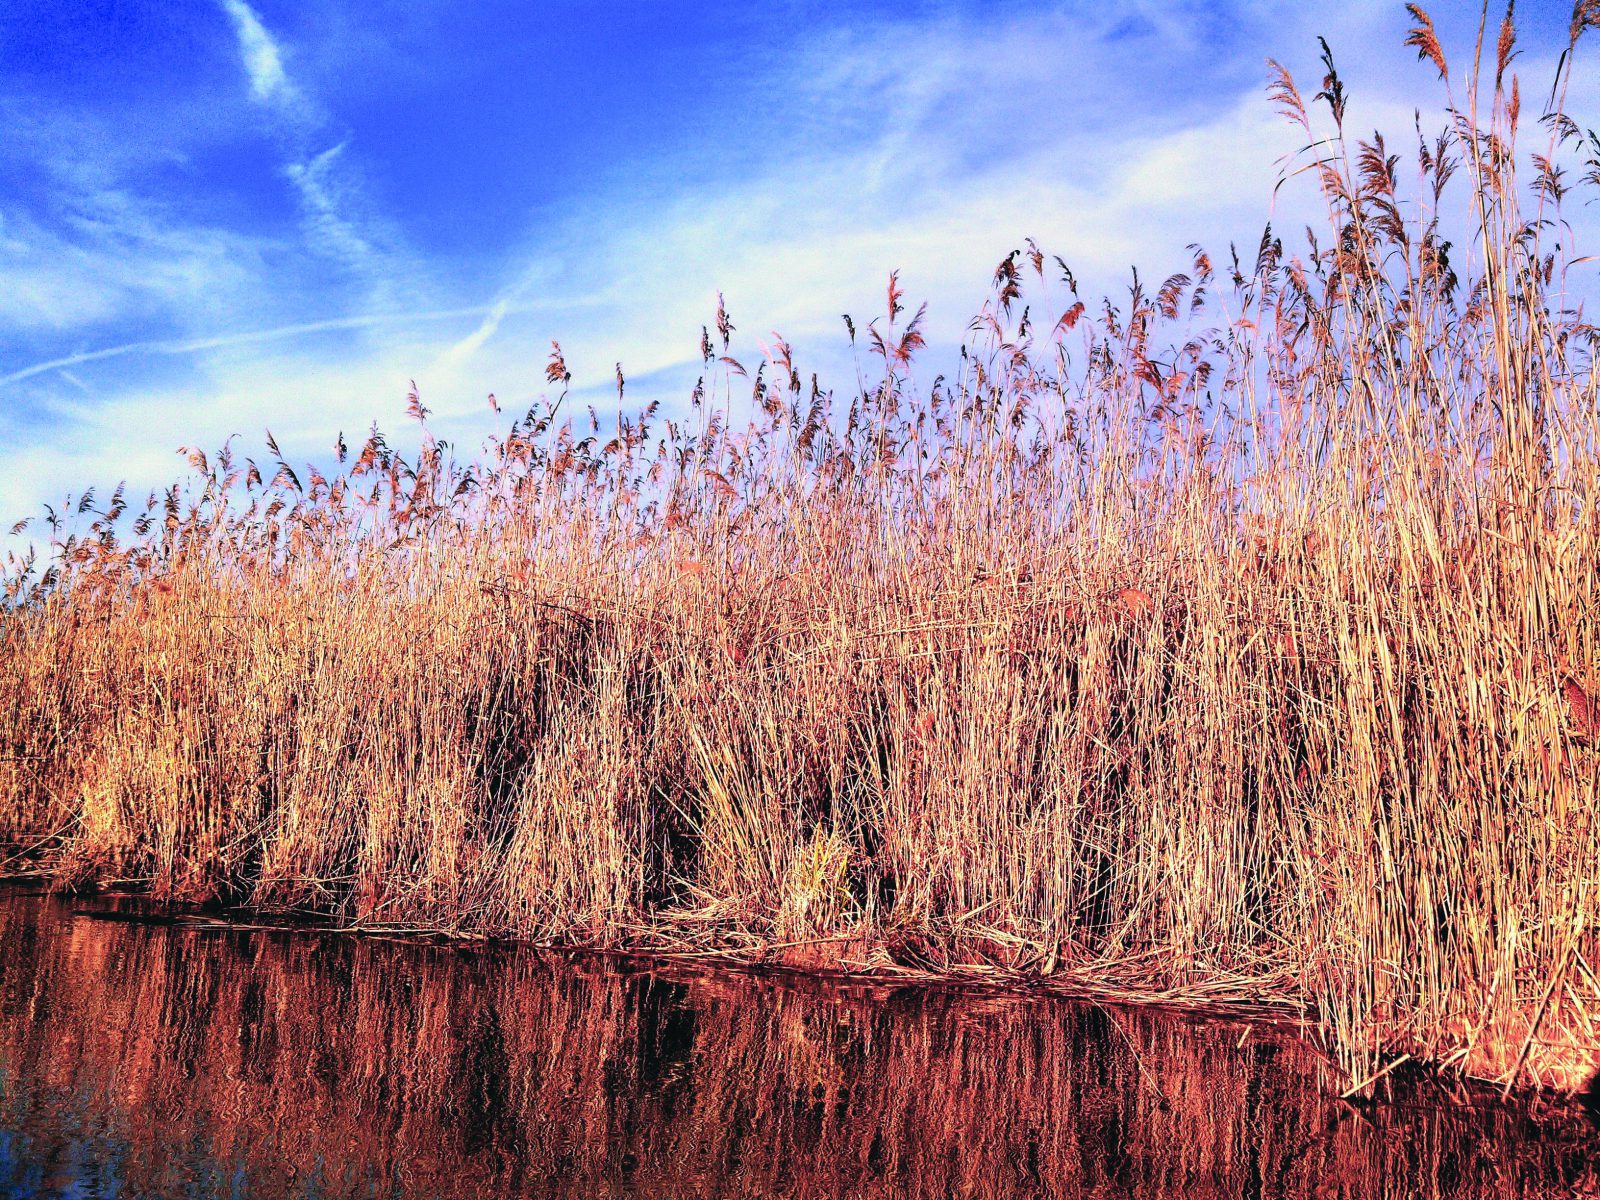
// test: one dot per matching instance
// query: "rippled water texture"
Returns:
(164, 1060)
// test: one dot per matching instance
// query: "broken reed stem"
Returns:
(1357, 1088)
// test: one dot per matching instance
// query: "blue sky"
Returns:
(219, 216)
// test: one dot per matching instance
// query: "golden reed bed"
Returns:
(1232, 642)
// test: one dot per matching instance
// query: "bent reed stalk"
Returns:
(1236, 645)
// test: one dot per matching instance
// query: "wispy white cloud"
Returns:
(263, 61)
(111, 254)
(325, 197)
(337, 219)
(487, 328)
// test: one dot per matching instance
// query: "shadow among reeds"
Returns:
(172, 1060)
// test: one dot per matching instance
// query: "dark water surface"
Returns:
(141, 1059)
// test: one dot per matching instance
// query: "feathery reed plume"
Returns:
(1425, 40)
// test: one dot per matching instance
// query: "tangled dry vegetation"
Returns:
(1235, 644)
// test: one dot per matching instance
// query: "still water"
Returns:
(151, 1059)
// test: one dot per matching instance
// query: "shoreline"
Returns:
(1283, 1017)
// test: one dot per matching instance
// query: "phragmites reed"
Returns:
(1235, 645)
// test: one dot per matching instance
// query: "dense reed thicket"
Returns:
(1235, 643)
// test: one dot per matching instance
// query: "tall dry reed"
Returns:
(1236, 643)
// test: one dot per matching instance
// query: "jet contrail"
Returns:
(193, 345)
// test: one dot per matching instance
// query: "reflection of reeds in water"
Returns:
(380, 1067)
(1235, 641)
